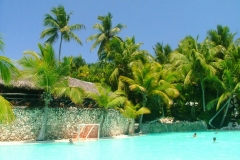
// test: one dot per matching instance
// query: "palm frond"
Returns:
(1, 44)
(76, 27)
(223, 97)
(6, 113)
(98, 27)
(7, 69)
(143, 110)
(52, 32)
(212, 104)
(114, 76)
(75, 37)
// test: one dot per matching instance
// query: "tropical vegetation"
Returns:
(49, 75)
(195, 81)
(7, 72)
(59, 27)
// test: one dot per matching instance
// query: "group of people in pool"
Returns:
(214, 138)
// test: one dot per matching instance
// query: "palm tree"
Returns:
(51, 76)
(232, 88)
(229, 82)
(7, 71)
(195, 61)
(222, 36)
(106, 33)
(121, 54)
(147, 82)
(132, 112)
(106, 99)
(58, 24)
(161, 52)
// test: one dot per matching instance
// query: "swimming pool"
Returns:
(164, 146)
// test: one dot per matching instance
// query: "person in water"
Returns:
(195, 135)
(70, 141)
(214, 139)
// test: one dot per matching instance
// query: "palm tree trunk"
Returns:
(41, 135)
(60, 48)
(225, 113)
(131, 126)
(47, 98)
(102, 122)
(210, 121)
(141, 116)
(140, 123)
(203, 93)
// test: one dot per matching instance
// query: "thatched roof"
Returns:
(28, 84)
(20, 83)
(87, 86)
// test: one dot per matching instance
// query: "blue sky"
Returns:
(164, 21)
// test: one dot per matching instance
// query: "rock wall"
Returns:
(62, 123)
(170, 126)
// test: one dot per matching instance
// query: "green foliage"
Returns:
(221, 36)
(7, 72)
(105, 98)
(106, 33)
(131, 111)
(161, 52)
(58, 27)
(1, 43)
(6, 113)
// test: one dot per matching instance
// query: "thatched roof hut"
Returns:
(87, 86)
(29, 85)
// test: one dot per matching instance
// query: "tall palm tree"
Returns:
(106, 33)
(106, 99)
(195, 62)
(59, 27)
(51, 76)
(147, 82)
(229, 82)
(231, 89)
(7, 71)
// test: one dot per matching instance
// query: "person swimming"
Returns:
(70, 141)
(214, 139)
(195, 135)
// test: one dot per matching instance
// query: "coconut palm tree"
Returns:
(147, 82)
(121, 54)
(7, 71)
(132, 112)
(106, 33)
(229, 82)
(58, 24)
(231, 89)
(106, 99)
(49, 75)
(161, 52)
(222, 36)
(195, 61)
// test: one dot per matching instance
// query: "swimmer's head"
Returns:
(214, 139)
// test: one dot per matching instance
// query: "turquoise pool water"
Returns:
(162, 146)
